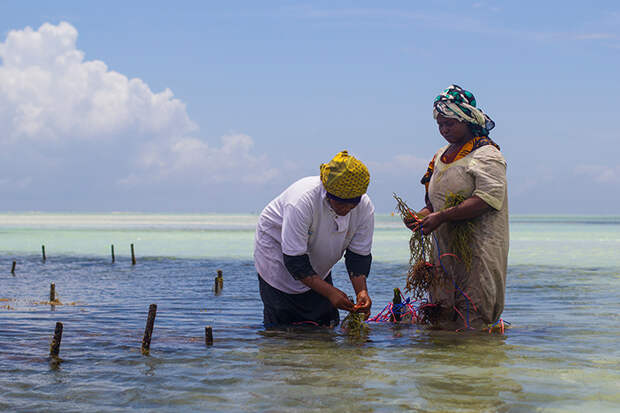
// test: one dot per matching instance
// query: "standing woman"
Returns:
(472, 166)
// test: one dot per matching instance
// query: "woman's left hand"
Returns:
(363, 303)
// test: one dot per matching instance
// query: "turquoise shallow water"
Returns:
(560, 355)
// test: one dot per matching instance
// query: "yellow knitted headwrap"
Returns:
(345, 177)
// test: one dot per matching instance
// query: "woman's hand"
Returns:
(413, 222)
(470, 208)
(340, 300)
(363, 303)
(432, 221)
(336, 297)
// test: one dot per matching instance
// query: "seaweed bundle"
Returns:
(420, 278)
(460, 232)
(421, 275)
(354, 324)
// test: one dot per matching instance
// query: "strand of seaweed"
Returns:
(421, 276)
(460, 232)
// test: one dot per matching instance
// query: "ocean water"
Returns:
(560, 353)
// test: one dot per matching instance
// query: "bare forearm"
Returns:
(359, 283)
(469, 208)
(425, 211)
(317, 284)
(472, 207)
(338, 298)
(363, 303)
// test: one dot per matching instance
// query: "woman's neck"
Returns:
(453, 150)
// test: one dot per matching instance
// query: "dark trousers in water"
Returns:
(282, 309)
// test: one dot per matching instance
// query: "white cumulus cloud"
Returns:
(233, 160)
(59, 111)
(49, 92)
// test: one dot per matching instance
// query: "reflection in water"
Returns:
(421, 370)
(54, 363)
(150, 365)
(465, 370)
(313, 368)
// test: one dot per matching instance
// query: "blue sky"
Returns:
(218, 106)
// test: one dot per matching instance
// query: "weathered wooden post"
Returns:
(52, 292)
(208, 336)
(148, 331)
(133, 256)
(220, 278)
(13, 267)
(219, 282)
(55, 345)
(396, 306)
(113, 259)
(43, 252)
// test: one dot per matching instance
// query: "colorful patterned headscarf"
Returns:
(345, 178)
(460, 104)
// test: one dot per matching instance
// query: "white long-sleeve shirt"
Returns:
(301, 221)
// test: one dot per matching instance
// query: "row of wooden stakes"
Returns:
(44, 257)
(150, 321)
(219, 279)
(146, 340)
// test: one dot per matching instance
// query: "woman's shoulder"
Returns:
(366, 205)
(440, 151)
(303, 194)
(488, 152)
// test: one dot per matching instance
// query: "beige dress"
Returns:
(481, 173)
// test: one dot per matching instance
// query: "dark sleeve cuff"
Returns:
(357, 264)
(298, 265)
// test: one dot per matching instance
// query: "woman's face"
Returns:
(454, 131)
(341, 208)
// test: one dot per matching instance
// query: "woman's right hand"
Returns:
(411, 223)
(340, 300)
(336, 297)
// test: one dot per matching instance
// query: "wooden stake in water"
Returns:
(148, 331)
(43, 252)
(219, 282)
(208, 336)
(112, 253)
(133, 256)
(396, 306)
(13, 267)
(52, 292)
(55, 346)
